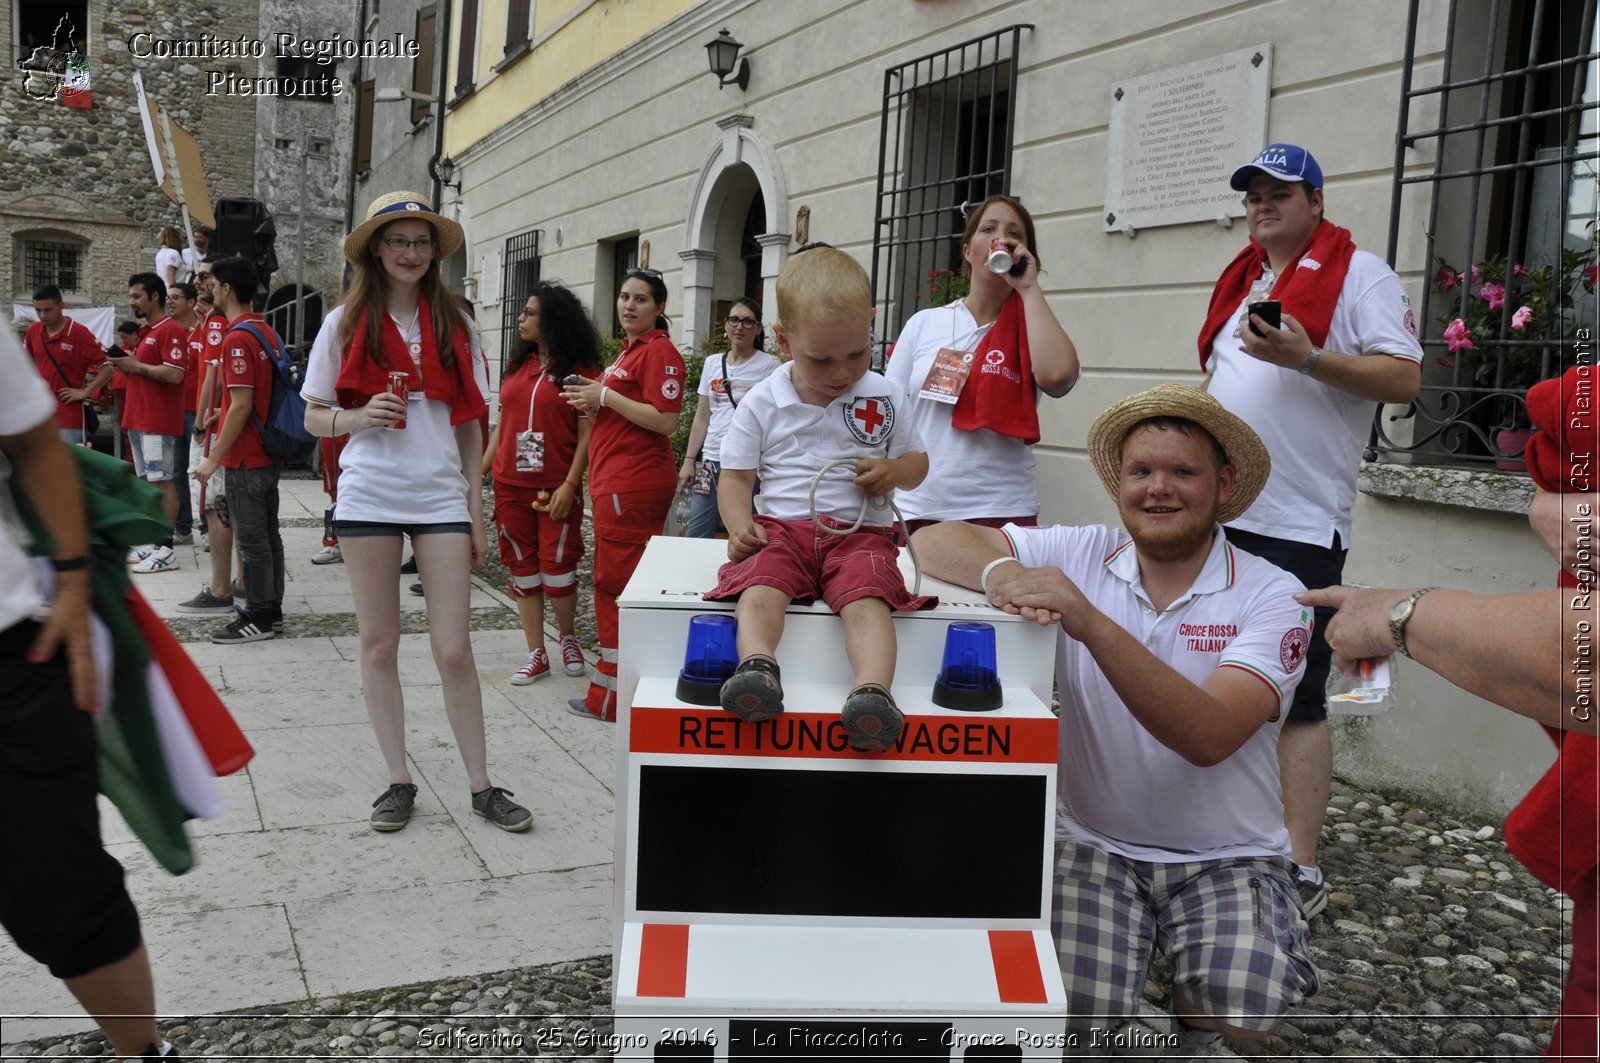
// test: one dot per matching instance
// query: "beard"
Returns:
(1175, 541)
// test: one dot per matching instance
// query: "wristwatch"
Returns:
(1311, 360)
(1400, 616)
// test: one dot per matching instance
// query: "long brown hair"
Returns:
(975, 217)
(369, 294)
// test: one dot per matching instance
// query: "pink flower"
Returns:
(1591, 274)
(1520, 319)
(1458, 335)
(1476, 276)
(1444, 280)
(1519, 270)
(1495, 294)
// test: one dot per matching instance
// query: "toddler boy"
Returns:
(822, 406)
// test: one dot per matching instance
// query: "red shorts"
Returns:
(807, 563)
(542, 554)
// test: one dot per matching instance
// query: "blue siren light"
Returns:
(968, 678)
(709, 659)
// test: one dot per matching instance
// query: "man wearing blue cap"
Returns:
(1348, 339)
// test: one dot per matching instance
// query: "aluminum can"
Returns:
(1000, 260)
(399, 384)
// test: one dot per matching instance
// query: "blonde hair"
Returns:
(821, 283)
(170, 237)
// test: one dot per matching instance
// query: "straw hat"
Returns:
(401, 206)
(1240, 445)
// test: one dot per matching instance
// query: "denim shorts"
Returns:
(355, 529)
(155, 457)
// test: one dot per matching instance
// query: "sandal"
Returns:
(872, 718)
(753, 692)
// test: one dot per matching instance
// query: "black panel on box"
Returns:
(956, 845)
(836, 1039)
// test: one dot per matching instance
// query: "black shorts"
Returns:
(1315, 566)
(61, 895)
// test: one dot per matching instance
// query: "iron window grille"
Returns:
(1511, 192)
(52, 262)
(520, 277)
(944, 145)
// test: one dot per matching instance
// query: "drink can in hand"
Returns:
(1000, 260)
(399, 384)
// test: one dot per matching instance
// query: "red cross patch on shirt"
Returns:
(870, 418)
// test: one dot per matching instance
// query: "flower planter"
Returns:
(1511, 442)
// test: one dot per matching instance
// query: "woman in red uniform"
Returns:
(537, 453)
(632, 477)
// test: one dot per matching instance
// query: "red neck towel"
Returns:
(1000, 394)
(1555, 830)
(365, 372)
(1308, 288)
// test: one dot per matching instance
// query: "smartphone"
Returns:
(1019, 267)
(1269, 310)
(573, 380)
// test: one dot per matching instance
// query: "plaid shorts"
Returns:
(1232, 929)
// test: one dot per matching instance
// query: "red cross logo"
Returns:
(1292, 650)
(867, 413)
(870, 418)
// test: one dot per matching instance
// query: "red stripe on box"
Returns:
(1016, 967)
(814, 735)
(663, 960)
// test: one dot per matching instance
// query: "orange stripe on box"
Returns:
(663, 960)
(812, 735)
(1016, 967)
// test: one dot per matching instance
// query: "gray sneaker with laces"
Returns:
(392, 809)
(496, 806)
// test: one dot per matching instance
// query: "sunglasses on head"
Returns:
(636, 272)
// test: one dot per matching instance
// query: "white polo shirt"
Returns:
(25, 404)
(1119, 789)
(788, 441)
(722, 379)
(1315, 433)
(972, 474)
(409, 475)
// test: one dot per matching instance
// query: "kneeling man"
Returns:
(1177, 656)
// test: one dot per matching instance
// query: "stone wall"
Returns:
(85, 175)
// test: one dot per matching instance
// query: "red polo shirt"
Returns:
(623, 456)
(194, 370)
(65, 360)
(152, 406)
(245, 365)
(550, 415)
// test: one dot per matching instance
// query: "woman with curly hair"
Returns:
(413, 467)
(537, 454)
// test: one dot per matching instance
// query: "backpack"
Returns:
(283, 435)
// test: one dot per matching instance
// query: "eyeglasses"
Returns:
(656, 273)
(527, 312)
(399, 243)
(742, 322)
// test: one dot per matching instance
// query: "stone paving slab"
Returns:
(293, 893)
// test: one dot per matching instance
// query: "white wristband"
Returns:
(983, 580)
(603, 390)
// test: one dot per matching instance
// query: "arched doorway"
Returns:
(737, 238)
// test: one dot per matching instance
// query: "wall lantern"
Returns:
(723, 51)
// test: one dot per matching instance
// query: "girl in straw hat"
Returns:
(398, 367)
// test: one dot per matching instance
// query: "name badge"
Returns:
(947, 375)
(530, 451)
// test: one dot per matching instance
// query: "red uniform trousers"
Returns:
(623, 522)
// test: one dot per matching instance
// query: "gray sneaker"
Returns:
(496, 806)
(392, 809)
(206, 602)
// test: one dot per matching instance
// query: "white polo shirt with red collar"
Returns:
(1119, 789)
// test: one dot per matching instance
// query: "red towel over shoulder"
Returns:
(1000, 394)
(1308, 289)
(363, 376)
(1555, 830)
